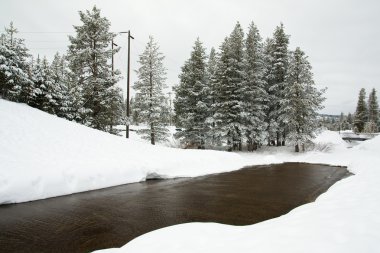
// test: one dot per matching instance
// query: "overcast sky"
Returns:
(341, 37)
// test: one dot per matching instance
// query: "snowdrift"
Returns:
(328, 141)
(44, 156)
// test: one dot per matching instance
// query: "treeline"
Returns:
(337, 123)
(248, 92)
(367, 113)
(364, 120)
(78, 86)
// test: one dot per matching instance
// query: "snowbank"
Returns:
(44, 156)
(328, 141)
(344, 219)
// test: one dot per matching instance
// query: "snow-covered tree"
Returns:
(135, 119)
(361, 112)
(302, 100)
(42, 94)
(211, 100)
(150, 98)
(350, 120)
(278, 50)
(14, 79)
(373, 112)
(230, 79)
(92, 80)
(253, 91)
(270, 112)
(61, 94)
(115, 115)
(192, 95)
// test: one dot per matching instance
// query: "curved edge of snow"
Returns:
(44, 156)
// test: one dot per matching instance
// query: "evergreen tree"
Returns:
(302, 100)
(92, 80)
(14, 79)
(270, 112)
(278, 70)
(373, 112)
(134, 114)
(43, 90)
(361, 112)
(211, 100)
(150, 99)
(230, 78)
(192, 95)
(115, 115)
(61, 94)
(253, 90)
(350, 119)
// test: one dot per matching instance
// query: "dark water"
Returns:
(111, 217)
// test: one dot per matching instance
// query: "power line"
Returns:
(34, 48)
(46, 40)
(48, 32)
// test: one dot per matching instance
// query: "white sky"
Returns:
(341, 37)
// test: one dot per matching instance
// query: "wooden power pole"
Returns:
(128, 78)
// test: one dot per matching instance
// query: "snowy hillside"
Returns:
(43, 156)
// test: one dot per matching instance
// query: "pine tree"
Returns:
(230, 80)
(350, 119)
(14, 79)
(134, 114)
(270, 112)
(150, 99)
(278, 70)
(302, 100)
(115, 113)
(361, 112)
(59, 74)
(253, 91)
(92, 80)
(43, 89)
(211, 100)
(373, 112)
(192, 95)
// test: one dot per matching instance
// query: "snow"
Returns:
(44, 156)
(171, 142)
(328, 141)
(344, 219)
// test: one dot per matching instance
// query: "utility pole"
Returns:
(112, 44)
(128, 77)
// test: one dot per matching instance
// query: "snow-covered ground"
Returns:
(43, 156)
(171, 142)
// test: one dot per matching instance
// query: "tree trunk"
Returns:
(152, 140)
(297, 148)
(278, 139)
